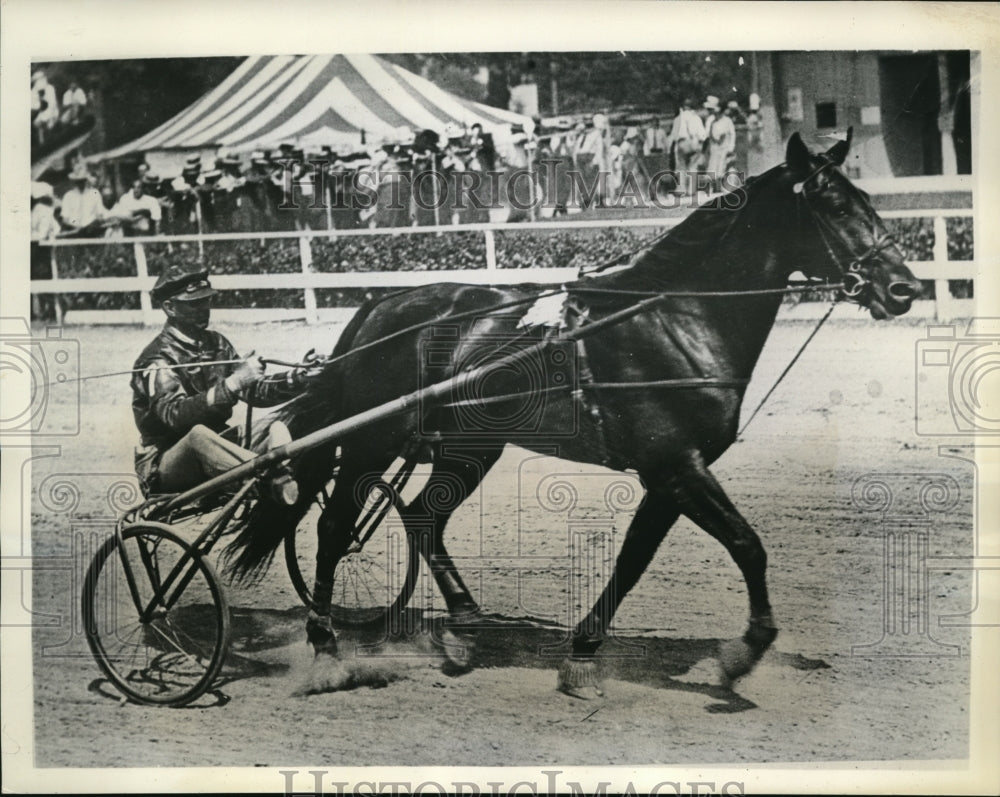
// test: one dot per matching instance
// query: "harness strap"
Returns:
(853, 277)
(588, 407)
(574, 317)
(681, 383)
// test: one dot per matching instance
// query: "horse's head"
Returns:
(856, 249)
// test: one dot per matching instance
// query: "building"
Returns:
(911, 111)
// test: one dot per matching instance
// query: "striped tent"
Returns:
(343, 101)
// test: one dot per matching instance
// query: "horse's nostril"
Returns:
(904, 291)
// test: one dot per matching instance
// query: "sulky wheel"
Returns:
(375, 579)
(155, 616)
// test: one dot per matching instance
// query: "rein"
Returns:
(178, 367)
(788, 368)
(791, 289)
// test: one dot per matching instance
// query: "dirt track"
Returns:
(845, 411)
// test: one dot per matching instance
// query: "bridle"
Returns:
(854, 277)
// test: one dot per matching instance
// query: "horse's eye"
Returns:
(839, 206)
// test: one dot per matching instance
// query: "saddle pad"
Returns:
(546, 312)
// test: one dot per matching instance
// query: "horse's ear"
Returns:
(797, 154)
(838, 152)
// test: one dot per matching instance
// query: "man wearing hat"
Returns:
(256, 207)
(181, 412)
(210, 205)
(43, 227)
(594, 160)
(228, 195)
(686, 136)
(721, 143)
(186, 209)
(138, 212)
(82, 209)
(634, 178)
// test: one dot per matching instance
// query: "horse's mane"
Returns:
(686, 247)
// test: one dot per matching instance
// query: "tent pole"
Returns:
(437, 203)
(197, 216)
(531, 184)
(328, 197)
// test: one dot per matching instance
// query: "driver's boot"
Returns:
(282, 485)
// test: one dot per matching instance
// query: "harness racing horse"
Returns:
(663, 352)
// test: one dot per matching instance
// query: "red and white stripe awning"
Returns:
(316, 100)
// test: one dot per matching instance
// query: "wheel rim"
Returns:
(170, 651)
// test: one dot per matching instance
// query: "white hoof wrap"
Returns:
(736, 659)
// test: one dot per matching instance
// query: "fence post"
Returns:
(942, 294)
(145, 303)
(305, 258)
(56, 298)
(491, 250)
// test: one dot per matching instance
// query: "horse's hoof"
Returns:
(579, 678)
(321, 635)
(458, 648)
(736, 659)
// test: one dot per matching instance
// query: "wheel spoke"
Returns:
(378, 576)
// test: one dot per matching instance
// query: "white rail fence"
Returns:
(939, 268)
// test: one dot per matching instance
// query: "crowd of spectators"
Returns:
(456, 177)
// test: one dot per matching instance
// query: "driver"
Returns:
(181, 413)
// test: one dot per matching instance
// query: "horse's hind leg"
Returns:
(334, 538)
(702, 499)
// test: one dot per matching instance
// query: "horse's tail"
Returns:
(250, 553)
(247, 558)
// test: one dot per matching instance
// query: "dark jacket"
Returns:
(167, 403)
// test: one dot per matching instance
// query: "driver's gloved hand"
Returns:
(247, 374)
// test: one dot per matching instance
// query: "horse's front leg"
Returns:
(578, 674)
(454, 478)
(702, 499)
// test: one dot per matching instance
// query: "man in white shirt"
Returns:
(44, 105)
(43, 219)
(74, 102)
(721, 144)
(83, 211)
(138, 212)
(687, 136)
(44, 227)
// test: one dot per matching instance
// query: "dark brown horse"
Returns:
(657, 392)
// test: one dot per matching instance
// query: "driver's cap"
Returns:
(182, 283)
